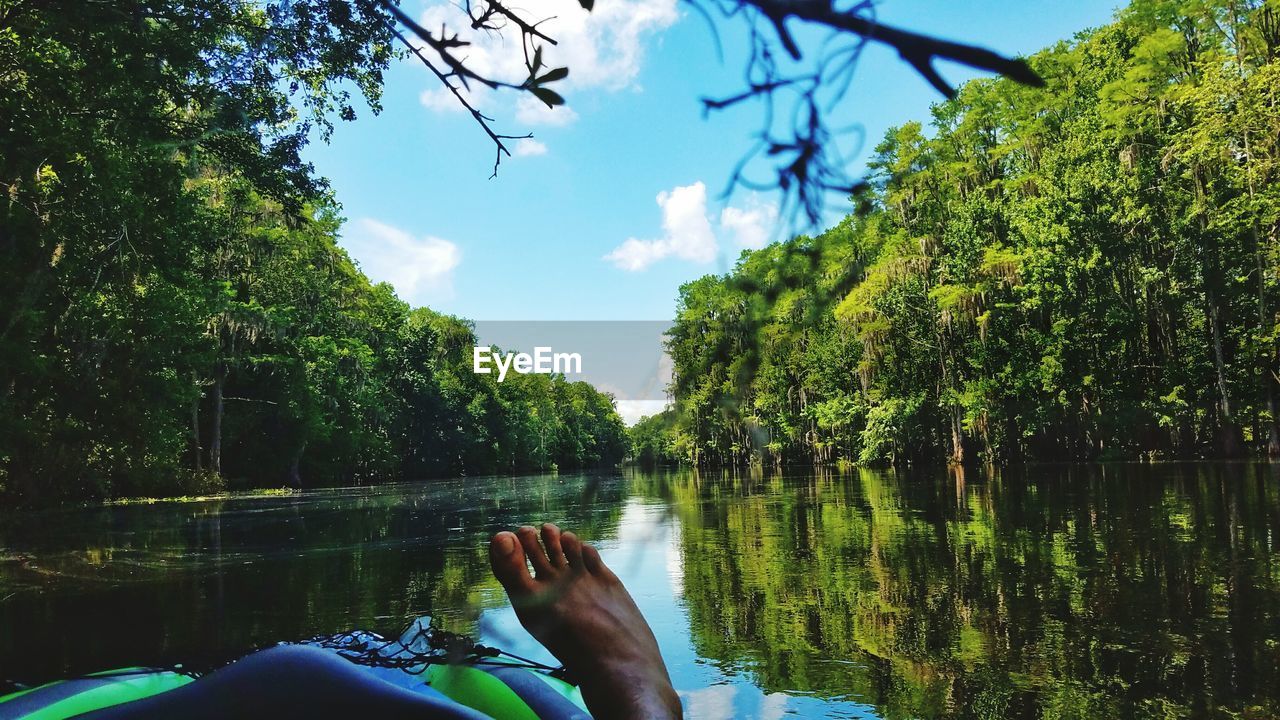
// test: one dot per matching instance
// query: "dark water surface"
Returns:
(1041, 592)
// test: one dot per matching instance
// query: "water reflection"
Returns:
(1132, 591)
(1045, 592)
(203, 582)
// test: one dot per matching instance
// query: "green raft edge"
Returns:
(463, 684)
(133, 684)
(478, 690)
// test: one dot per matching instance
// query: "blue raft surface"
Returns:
(479, 682)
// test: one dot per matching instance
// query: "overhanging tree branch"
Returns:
(920, 51)
(488, 16)
(482, 119)
(795, 136)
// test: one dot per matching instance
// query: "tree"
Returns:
(176, 311)
(1085, 272)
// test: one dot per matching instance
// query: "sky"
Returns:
(620, 196)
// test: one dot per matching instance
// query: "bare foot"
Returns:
(579, 610)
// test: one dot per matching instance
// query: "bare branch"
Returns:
(493, 7)
(480, 118)
(445, 45)
(807, 160)
(918, 50)
(805, 153)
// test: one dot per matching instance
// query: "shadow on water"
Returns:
(203, 582)
(1036, 592)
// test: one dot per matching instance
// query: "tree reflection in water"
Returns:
(1047, 592)
(1148, 591)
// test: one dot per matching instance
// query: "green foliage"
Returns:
(1088, 271)
(652, 441)
(175, 312)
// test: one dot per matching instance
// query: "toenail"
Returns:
(504, 543)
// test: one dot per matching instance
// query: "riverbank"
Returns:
(226, 495)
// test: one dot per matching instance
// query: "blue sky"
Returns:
(619, 198)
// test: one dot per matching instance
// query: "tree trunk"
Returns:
(957, 436)
(295, 476)
(1269, 378)
(215, 431)
(197, 461)
(1228, 439)
(953, 410)
(1266, 372)
(1266, 369)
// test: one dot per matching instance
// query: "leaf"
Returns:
(550, 97)
(553, 76)
(587, 4)
(537, 60)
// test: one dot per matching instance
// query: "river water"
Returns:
(1033, 592)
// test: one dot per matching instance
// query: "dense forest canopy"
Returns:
(1078, 272)
(174, 307)
(1083, 272)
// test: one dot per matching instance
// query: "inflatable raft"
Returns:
(478, 680)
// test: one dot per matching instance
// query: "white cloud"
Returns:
(773, 706)
(750, 226)
(687, 231)
(636, 255)
(532, 111)
(440, 99)
(603, 49)
(715, 701)
(420, 269)
(632, 411)
(528, 147)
